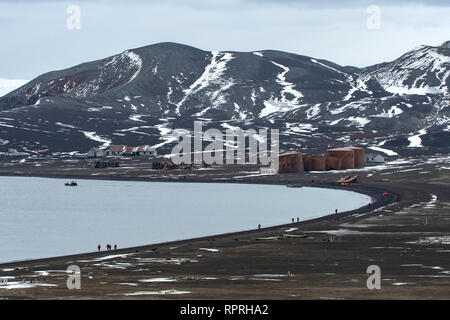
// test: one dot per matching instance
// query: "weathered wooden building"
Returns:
(377, 158)
(116, 150)
(97, 153)
(144, 151)
(121, 150)
(101, 164)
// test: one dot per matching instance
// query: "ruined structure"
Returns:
(335, 159)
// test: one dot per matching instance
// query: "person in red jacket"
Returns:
(99, 247)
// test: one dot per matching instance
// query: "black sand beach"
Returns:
(406, 235)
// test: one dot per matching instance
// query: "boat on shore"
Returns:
(295, 185)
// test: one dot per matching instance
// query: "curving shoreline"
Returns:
(322, 258)
(369, 191)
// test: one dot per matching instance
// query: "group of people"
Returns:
(384, 196)
(108, 247)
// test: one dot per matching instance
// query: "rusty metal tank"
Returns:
(347, 155)
(359, 156)
(333, 163)
(314, 163)
(291, 162)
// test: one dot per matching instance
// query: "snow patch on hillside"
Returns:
(326, 66)
(274, 105)
(415, 141)
(383, 150)
(288, 87)
(93, 136)
(212, 75)
(358, 121)
(133, 59)
(416, 72)
(391, 113)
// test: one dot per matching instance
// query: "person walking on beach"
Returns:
(108, 247)
(115, 247)
(99, 247)
(259, 226)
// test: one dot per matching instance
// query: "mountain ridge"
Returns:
(142, 94)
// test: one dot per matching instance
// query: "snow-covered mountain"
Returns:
(141, 95)
(424, 70)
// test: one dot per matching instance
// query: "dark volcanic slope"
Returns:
(141, 95)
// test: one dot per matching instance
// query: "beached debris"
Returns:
(268, 238)
(101, 164)
(295, 235)
(122, 150)
(348, 179)
(169, 165)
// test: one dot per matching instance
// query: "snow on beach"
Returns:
(24, 285)
(162, 292)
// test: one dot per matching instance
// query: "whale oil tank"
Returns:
(333, 163)
(359, 156)
(314, 163)
(290, 162)
(347, 155)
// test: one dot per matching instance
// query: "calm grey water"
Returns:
(40, 217)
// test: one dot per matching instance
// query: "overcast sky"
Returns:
(35, 37)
